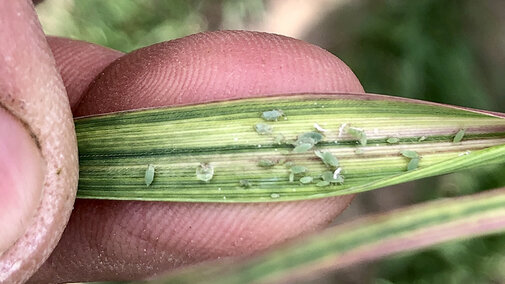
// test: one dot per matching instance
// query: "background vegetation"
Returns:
(444, 51)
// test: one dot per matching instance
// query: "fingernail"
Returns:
(21, 179)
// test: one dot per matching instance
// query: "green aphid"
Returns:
(272, 115)
(298, 169)
(263, 128)
(265, 163)
(413, 164)
(359, 134)
(245, 183)
(459, 136)
(306, 179)
(327, 158)
(323, 183)
(330, 177)
(279, 139)
(410, 154)
(392, 140)
(204, 172)
(294, 170)
(310, 137)
(149, 176)
(302, 148)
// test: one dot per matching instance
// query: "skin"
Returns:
(38, 150)
(120, 240)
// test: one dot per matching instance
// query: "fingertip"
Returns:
(216, 66)
(79, 62)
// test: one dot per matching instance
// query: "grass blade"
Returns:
(365, 239)
(115, 149)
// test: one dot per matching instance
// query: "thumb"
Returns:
(38, 151)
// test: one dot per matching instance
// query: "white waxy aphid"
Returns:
(341, 129)
(465, 153)
(204, 172)
(275, 195)
(149, 176)
(319, 128)
(336, 173)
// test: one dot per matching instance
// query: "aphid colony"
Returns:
(305, 142)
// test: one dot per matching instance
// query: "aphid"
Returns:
(272, 115)
(359, 134)
(204, 172)
(306, 179)
(341, 129)
(467, 152)
(359, 151)
(275, 195)
(392, 140)
(263, 128)
(336, 173)
(309, 137)
(245, 183)
(279, 138)
(422, 138)
(265, 163)
(319, 128)
(459, 136)
(327, 158)
(323, 183)
(328, 176)
(296, 170)
(410, 154)
(149, 176)
(413, 164)
(304, 147)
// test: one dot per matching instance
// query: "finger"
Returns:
(38, 153)
(124, 240)
(79, 63)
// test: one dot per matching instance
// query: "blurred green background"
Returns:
(443, 51)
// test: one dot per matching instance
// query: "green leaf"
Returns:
(364, 239)
(114, 149)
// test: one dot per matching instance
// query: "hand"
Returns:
(120, 240)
